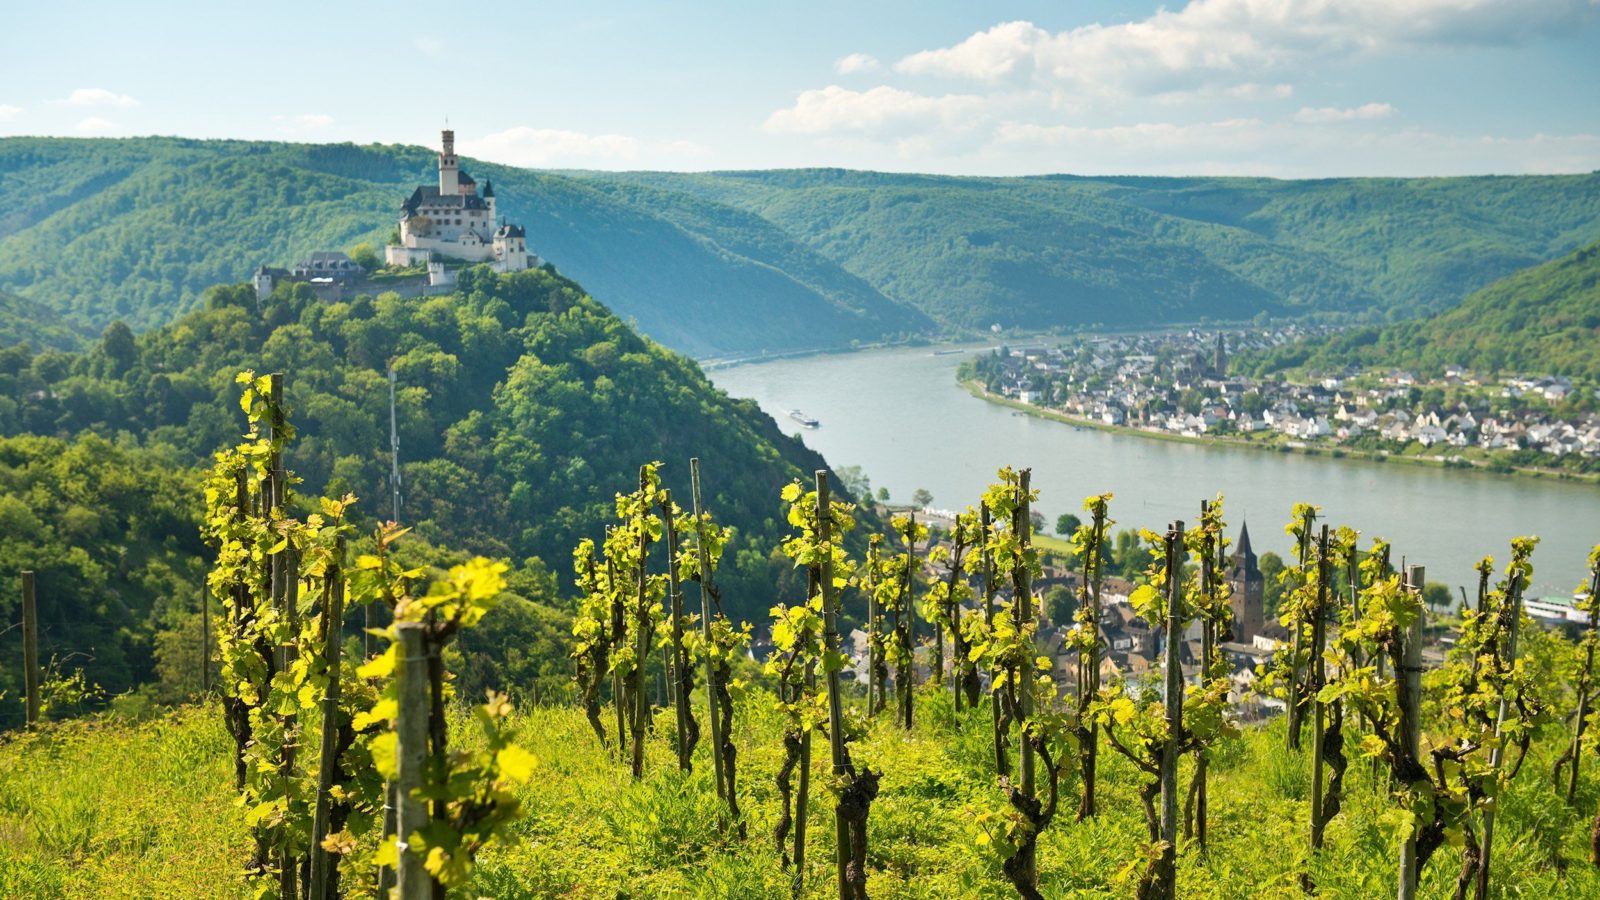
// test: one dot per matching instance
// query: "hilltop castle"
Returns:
(454, 222)
(438, 225)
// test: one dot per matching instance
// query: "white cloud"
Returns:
(856, 63)
(96, 125)
(880, 110)
(305, 120)
(1233, 42)
(1326, 114)
(99, 97)
(9, 112)
(546, 147)
(1253, 91)
(985, 56)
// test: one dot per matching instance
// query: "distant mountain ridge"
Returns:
(741, 263)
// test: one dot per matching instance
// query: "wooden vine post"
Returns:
(1022, 586)
(679, 675)
(718, 727)
(1585, 674)
(1089, 662)
(411, 750)
(874, 689)
(908, 615)
(323, 865)
(1296, 702)
(1002, 759)
(641, 703)
(1410, 721)
(30, 651)
(1172, 697)
(1319, 674)
(205, 638)
(1513, 605)
(830, 653)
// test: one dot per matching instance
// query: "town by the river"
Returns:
(901, 416)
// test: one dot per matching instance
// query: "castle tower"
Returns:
(449, 166)
(1249, 591)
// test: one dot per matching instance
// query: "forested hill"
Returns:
(1062, 250)
(524, 407)
(137, 229)
(22, 319)
(737, 263)
(1544, 320)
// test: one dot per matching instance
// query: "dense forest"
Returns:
(23, 320)
(742, 263)
(522, 405)
(1541, 321)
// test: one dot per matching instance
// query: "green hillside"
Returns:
(1543, 320)
(1062, 250)
(137, 229)
(744, 262)
(524, 406)
(23, 320)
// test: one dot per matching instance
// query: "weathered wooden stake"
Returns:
(1022, 584)
(830, 646)
(30, 651)
(205, 638)
(1172, 694)
(323, 864)
(1296, 702)
(641, 703)
(680, 703)
(1410, 694)
(1497, 753)
(1583, 685)
(1319, 671)
(411, 750)
(717, 726)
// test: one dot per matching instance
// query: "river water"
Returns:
(900, 415)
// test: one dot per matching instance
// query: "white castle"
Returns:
(454, 222)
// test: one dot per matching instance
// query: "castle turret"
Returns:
(449, 166)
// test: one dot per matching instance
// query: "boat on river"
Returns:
(803, 419)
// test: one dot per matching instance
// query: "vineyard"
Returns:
(697, 755)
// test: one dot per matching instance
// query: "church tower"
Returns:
(1220, 362)
(1249, 591)
(449, 166)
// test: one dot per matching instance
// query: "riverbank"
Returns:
(976, 389)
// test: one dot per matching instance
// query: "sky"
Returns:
(1282, 88)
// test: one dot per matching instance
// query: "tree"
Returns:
(1060, 603)
(1437, 596)
(921, 498)
(366, 257)
(883, 495)
(1067, 524)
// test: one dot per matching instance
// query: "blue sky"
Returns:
(1293, 88)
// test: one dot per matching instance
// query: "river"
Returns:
(900, 415)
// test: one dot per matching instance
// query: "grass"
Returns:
(100, 809)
